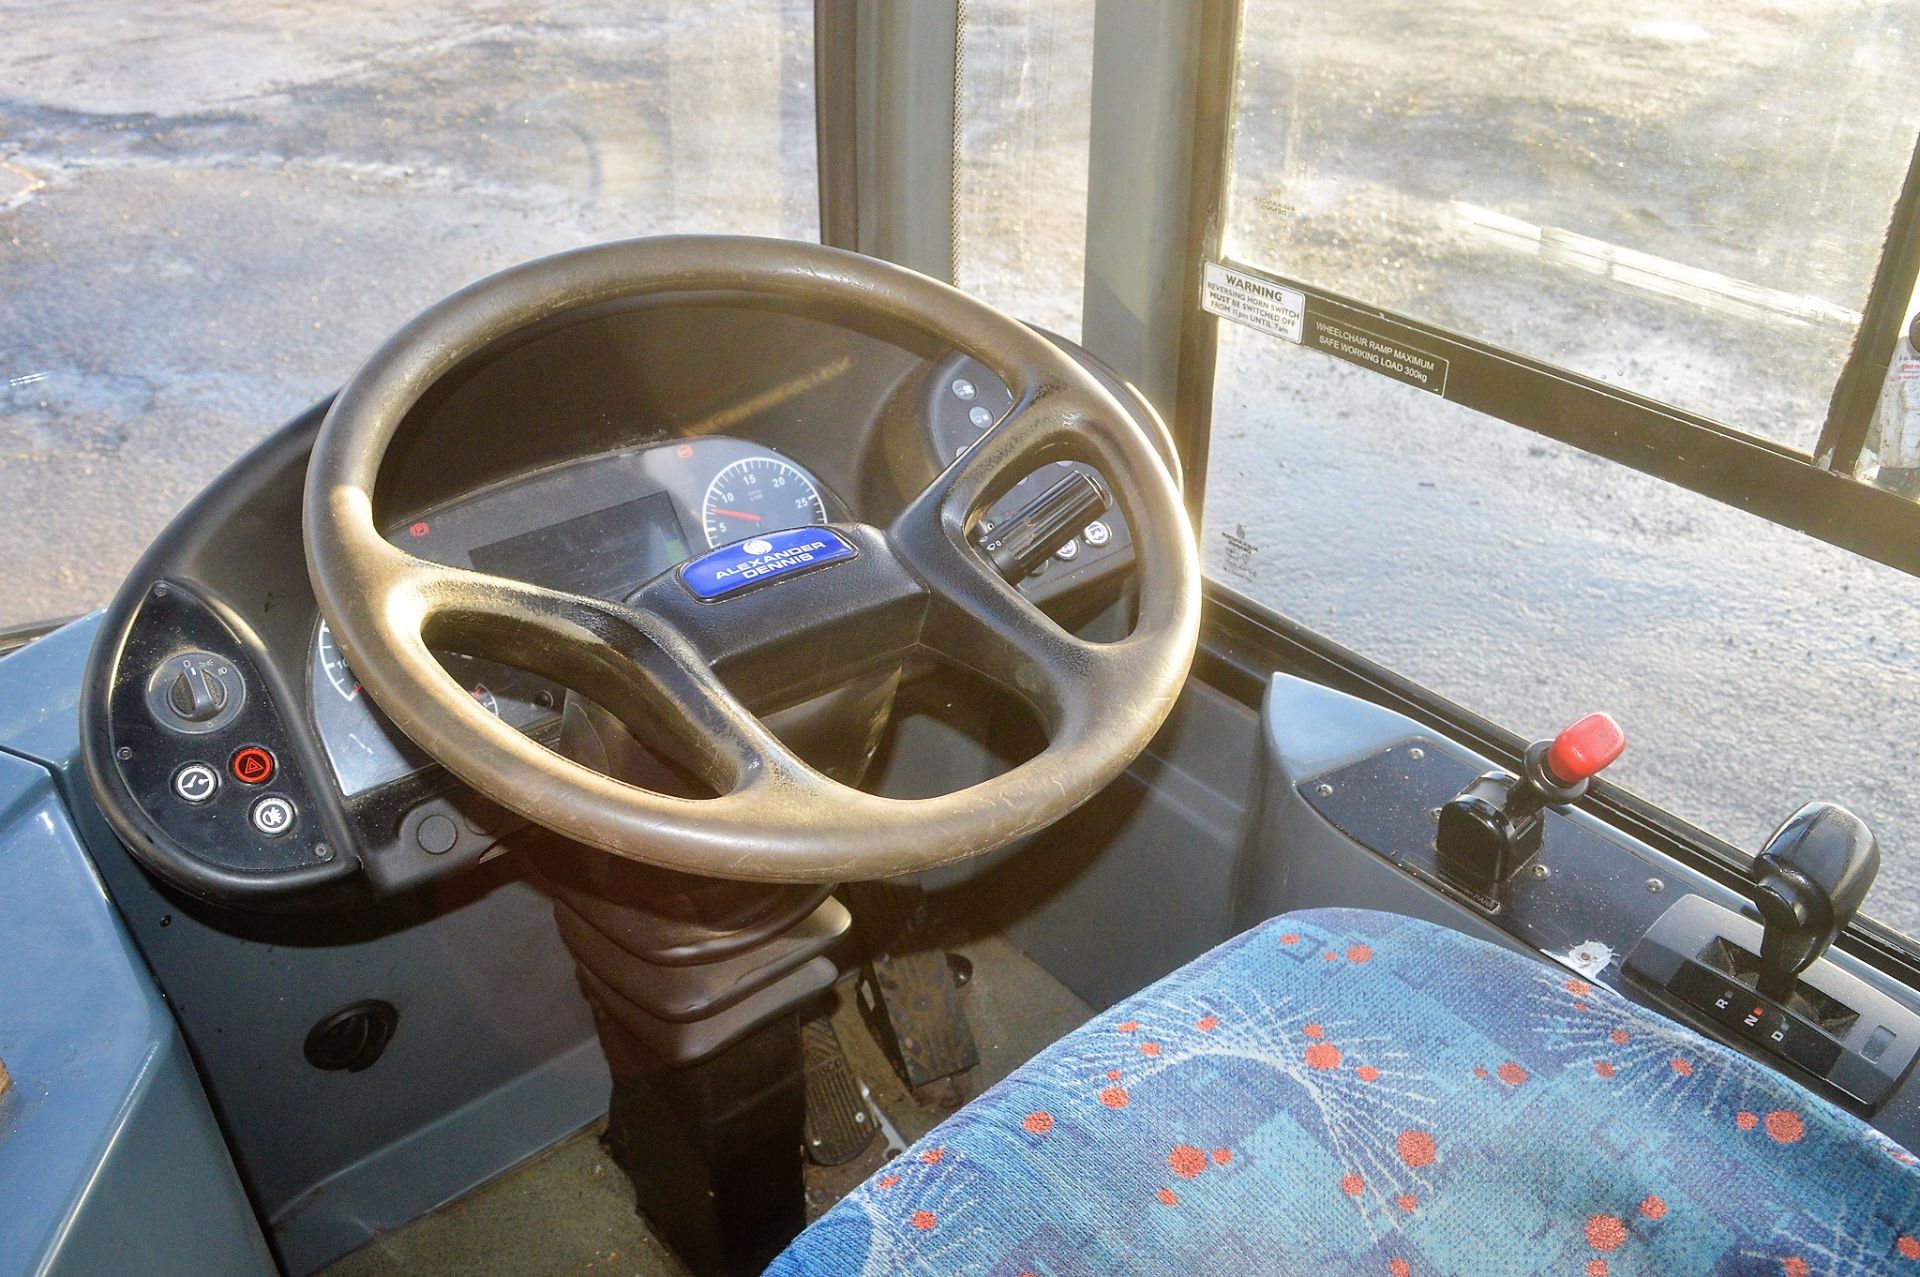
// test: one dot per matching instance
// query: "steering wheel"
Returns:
(681, 670)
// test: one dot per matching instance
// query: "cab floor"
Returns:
(570, 1209)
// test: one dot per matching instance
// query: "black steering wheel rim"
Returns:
(653, 661)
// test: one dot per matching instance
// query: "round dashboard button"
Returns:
(195, 783)
(251, 765)
(436, 835)
(273, 815)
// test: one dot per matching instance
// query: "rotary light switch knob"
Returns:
(196, 693)
(196, 696)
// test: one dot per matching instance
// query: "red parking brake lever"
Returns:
(1585, 749)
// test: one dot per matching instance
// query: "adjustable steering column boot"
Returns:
(698, 987)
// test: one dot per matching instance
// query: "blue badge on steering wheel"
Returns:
(761, 560)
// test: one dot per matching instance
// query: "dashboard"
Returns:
(226, 735)
(601, 526)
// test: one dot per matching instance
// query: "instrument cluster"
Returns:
(601, 526)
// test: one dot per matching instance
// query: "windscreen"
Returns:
(210, 213)
(1687, 204)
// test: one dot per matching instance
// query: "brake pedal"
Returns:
(839, 1124)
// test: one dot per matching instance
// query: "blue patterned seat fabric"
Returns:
(1342, 1091)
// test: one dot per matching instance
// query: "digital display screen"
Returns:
(605, 554)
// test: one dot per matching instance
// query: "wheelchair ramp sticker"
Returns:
(1331, 331)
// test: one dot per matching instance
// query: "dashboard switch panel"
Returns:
(201, 746)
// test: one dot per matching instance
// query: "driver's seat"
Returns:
(1343, 1091)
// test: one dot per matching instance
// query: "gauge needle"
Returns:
(737, 514)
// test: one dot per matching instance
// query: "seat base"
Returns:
(1350, 1092)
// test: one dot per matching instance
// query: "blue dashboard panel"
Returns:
(762, 560)
(111, 1161)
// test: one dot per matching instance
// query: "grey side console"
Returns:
(110, 1160)
(1343, 815)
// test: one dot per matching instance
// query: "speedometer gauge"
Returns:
(335, 665)
(759, 494)
(340, 677)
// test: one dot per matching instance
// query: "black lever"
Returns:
(1492, 827)
(1809, 881)
(1022, 541)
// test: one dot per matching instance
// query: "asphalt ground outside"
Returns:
(209, 213)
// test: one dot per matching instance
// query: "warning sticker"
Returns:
(1343, 339)
(1322, 324)
(1271, 308)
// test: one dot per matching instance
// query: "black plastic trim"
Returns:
(277, 889)
(287, 890)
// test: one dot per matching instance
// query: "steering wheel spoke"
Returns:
(977, 620)
(983, 624)
(638, 667)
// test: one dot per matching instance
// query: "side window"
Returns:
(209, 215)
(1689, 209)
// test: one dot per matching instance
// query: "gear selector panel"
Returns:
(1830, 1025)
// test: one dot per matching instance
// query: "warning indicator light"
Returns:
(252, 766)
